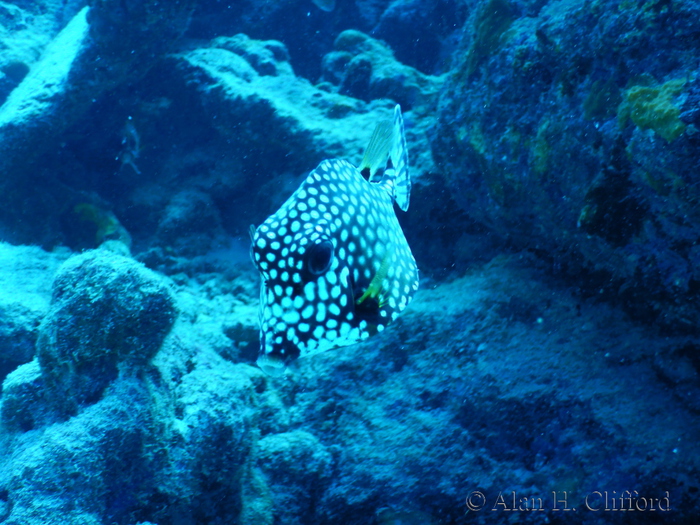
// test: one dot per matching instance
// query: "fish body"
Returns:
(335, 265)
(131, 146)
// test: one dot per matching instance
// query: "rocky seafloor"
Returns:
(545, 372)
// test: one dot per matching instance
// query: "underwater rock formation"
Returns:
(456, 397)
(366, 69)
(25, 275)
(25, 29)
(276, 123)
(249, 85)
(99, 49)
(298, 467)
(191, 224)
(422, 33)
(108, 316)
(165, 430)
(85, 470)
(561, 129)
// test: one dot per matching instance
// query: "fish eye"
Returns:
(318, 257)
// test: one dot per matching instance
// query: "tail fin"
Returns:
(397, 176)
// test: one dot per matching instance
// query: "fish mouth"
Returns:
(275, 357)
(271, 366)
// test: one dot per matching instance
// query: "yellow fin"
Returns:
(374, 289)
(378, 149)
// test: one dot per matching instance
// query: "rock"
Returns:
(25, 292)
(215, 425)
(105, 451)
(108, 316)
(302, 124)
(562, 140)
(191, 224)
(100, 48)
(422, 33)
(25, 30)
(276, 124)
(267, 57)
(366, 69)
(458, 392)
(23, 404)
(37, 99)
(207, 406)
(298, 467)
(255, 102)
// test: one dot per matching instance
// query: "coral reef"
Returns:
(191, 224)
(108, 315)
(298, 467)
(141, 431)
(562, 131)
(25, 277)
(65, 82)
(366, 69)
(552, 346)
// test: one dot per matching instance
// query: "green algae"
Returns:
(653, 107)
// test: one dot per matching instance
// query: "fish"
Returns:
(335, 265)
(131, 146)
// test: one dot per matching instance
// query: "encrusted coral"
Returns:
(108, 315)
(653, 107)
(366, 69)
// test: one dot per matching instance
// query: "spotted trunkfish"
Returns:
(335, 264)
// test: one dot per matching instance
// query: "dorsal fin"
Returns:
(396, 177)
(378, 149)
